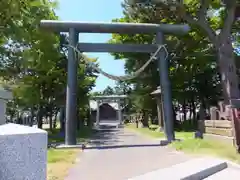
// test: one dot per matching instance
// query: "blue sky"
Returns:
(95, 10)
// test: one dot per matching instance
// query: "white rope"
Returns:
(126, 77)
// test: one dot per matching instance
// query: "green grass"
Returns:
(192, 145)
(153, 131)
(60, 160)
(209, 147)
(60, 155)
(82, 135)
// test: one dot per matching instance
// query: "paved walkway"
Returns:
(119, 154)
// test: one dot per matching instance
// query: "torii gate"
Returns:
(74, 28)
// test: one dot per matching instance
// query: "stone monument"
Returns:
(214, 113)
(23, 153)
(5, 95)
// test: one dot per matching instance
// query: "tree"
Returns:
(217, 27)
(122, 88)
(35, 62)
(193, 65)
(108, 91)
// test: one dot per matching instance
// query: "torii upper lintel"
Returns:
(114, 27)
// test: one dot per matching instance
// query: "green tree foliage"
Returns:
(108, 91)
(216, 20)
(35, 61)
(193, 71)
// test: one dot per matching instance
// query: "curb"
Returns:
(207, 172)
(232, 164)
(196, 169)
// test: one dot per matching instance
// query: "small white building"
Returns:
(106, 108)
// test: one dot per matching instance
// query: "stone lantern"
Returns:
(158, 96)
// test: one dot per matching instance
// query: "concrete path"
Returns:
(119, 154)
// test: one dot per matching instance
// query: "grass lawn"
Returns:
(61, 160)
(82, 135)
(152, 132)
(191, 145)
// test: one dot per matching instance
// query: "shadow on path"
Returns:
(107, 137)
(110, 137)
(124, 146)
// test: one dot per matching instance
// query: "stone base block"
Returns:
(23, 153)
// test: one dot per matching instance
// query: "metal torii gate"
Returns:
(75, 27)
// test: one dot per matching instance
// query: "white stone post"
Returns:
(98, 114)
(4, 97)
(23, 153)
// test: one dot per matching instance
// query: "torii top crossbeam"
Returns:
(114, 27)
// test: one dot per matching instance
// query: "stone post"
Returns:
(214, 113)
(23, 153)
(4, 97)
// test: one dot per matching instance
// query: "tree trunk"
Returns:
(62, 118)
(19, 120)
(202, 110)
(227, 67)
(194, 119)
(89, 118)
(190, 112)
(229, 80)
(39, 117)
(175, 124)
(32, 117)
(80, 120)
(50, 121)
(194, 109)
(145, 119)
(11, 117)
(184, 110)
(160, 112)
(55, 120)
